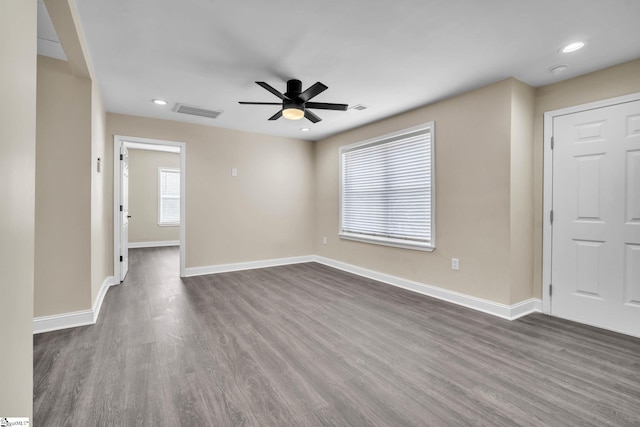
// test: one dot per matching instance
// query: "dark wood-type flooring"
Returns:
(307, 345)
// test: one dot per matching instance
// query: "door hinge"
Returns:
(121, 258)
(550, 289)
(551, 216)
(121, 157)
(552, 144)
(120, 208)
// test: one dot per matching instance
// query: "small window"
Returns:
(168, 196)
(386, 194)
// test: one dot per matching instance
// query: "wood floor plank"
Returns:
(309, 345)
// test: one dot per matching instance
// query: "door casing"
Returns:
(547, 229)
(118, 141)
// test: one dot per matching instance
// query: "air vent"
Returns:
(196, 111)
(359, 107)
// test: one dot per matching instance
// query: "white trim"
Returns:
(521, 309)
(396, 243)
(119, 140)
(547, 204)
(97, 304)
(547, 236)
(152, 147)
(250, 265)
(157, 244)
(62, 321)
(509, 312)
(76, 318)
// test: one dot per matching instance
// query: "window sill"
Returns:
(388, 242)
(169, 224)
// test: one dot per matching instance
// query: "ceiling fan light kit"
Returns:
(292, 111)
(295, 103)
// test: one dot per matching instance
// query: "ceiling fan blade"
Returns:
(314, 90)
(312, 117)
(326, 106)
(276, 116)
(259, 103)
(272, 90)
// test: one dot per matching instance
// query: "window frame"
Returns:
(161, 223)
(386, 241)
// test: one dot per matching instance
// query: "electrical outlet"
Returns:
(455, 264)
(324, 240)
(234, 172)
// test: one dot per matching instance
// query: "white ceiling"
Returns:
(391, 56)
(48, 43)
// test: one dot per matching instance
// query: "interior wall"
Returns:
(101, 206)
(266, 212)
(473, 208)
(17, 173)
(63, 190)
(143, 196)
(76, 104)
(521, 191)
(619, 80)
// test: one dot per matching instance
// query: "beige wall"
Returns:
(266, 212)
(523, 183)
(63, 190)
(17, 173)
(101, 205)
(521, 189)
(73, 206)
(474, 195)
(611, 82)
(143, 195)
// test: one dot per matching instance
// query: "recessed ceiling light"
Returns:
(572, 47)
(159, 101)
(558, 69)
(305, 129)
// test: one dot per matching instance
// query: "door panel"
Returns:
(596, 205)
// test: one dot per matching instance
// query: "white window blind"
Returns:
(387, 189)
(169, 196)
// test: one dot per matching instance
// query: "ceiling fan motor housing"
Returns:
(294, 88)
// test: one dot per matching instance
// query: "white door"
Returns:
(124, 212)
(595, 270)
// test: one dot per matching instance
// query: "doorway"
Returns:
(592, 207)
(121, 215)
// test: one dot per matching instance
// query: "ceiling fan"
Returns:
(295, 103)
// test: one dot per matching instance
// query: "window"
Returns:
(386, 194)
(168, 196)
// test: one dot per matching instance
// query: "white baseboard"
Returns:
(97, 304)
(510, 312)
(62, 321)
(532, 305)
(76, 318)
(250, 265)
(133, 245)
